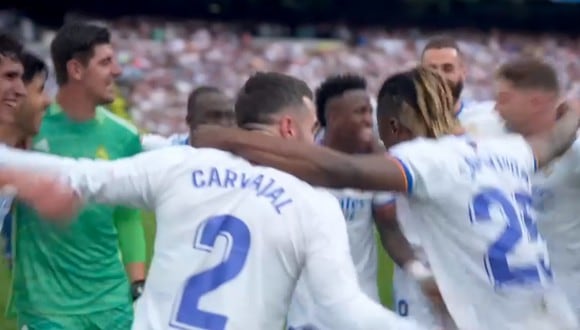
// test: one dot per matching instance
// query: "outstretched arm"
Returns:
(315, 164)
(554, 142)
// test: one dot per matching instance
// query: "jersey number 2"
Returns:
(237, 234)
(520, 226)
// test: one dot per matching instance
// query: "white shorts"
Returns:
(409, 301)
(569, 283)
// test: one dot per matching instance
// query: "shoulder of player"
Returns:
(121, 125)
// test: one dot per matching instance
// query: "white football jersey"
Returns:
(473, 200)
(232, 239)
(480, 119)
(154, 141)
(557, 203)
(357, 207)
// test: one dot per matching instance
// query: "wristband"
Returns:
(417, 270)
(137, 289)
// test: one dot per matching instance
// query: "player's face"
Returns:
(519, 107)
(214, 109)
(447, 62)
(302, 125)
(100, 73)
(352, 117)
(12, 91)
(29, 116)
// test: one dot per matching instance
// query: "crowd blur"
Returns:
(163, 61)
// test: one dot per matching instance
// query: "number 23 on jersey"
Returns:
(520, 227)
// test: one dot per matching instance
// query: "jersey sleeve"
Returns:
(383, 198)
(331, 277)
(425, 167)
(154, 141)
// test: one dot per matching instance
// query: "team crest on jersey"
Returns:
(102, 153)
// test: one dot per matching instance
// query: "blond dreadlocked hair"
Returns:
(422, 98)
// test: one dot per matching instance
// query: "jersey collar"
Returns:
(461, 107)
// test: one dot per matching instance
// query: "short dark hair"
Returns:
(422, 95)
(267, 93)
(10, 47)
(75, 40)
(335, 86)
(530, 73)
(33, 66)
(196, 94)
(440, 42)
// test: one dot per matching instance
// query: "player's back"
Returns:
(472, 200)
(230, 245)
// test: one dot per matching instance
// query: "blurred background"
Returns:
(169, 47)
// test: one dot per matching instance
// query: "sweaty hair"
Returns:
(196, 94)
(75, 40)
(530, 73)
(335, 86)
(10, 47)
(267, 93)
(422, 96)
(440, 42)
(33, 66)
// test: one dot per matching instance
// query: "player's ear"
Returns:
(74, 69)
(287, 127)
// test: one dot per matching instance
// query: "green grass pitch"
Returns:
(385, 274)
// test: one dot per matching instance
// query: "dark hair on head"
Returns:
(33, 66)
(530, 73)
(196, 94)
(10, 47)
(440, 42)
(419, 96)
(335, 86)
(75, 40)
(268, 93)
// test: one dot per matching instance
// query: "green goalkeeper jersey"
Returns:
(75, 269)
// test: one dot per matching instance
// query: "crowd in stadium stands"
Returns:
(163, 61)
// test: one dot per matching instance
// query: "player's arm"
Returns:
(554, 142)
(330, 275)
(314, 164)
(131, 234)
(391, 236)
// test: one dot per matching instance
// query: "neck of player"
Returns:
(75, 103)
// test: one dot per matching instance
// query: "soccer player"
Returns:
(27, 120)
(443, 55)
(344, 103)
(233, 238)
(12, 92)
(471, 198)
(74, 278)
(528, 93)
(205, 105)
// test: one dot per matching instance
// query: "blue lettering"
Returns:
(351, 207)
(214, 178)
(498, 164)
(198, 182)
(217, 178)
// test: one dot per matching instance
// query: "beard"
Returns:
(456, 89)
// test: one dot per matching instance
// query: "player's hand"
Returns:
(51, 198)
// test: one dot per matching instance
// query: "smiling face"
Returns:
(99, 74)
(12, 90)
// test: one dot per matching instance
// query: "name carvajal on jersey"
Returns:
(265, 187)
